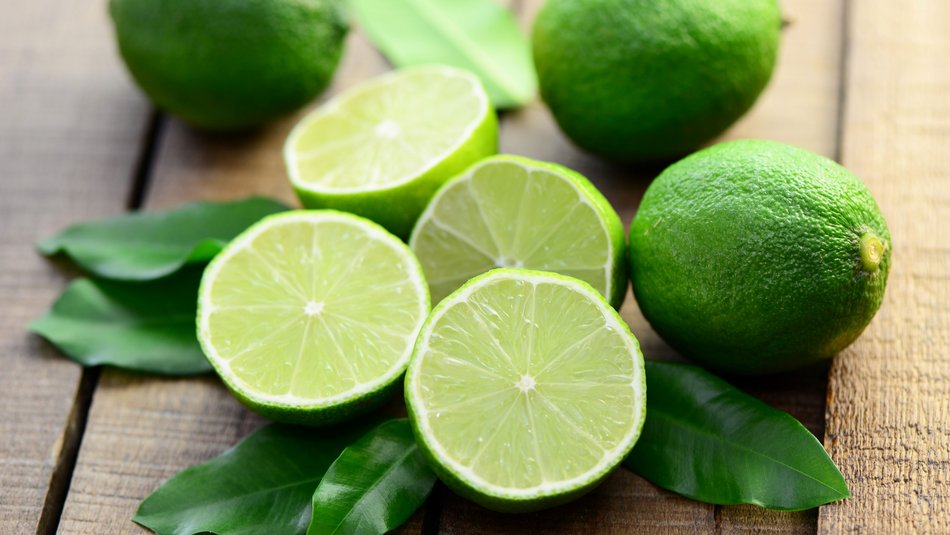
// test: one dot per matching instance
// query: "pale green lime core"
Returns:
(518, 213)
(311, 309)
(387, 131)
(526, 385)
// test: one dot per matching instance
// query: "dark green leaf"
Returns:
(478, 35)
(708, 441)
(150, 245)
(375, 485)
(143, 326)
(262, 485)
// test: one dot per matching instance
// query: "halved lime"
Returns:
(525, 389)
(384, 147)
(310, 316)
(508, 211)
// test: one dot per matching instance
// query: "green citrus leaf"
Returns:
(478, 35)
(262, 485)
(708, 441)
(150, 245)
(375, 485)
(142, 326)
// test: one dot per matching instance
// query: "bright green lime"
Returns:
(300, 321)
(525, 389)
(641, 80)
(383, 148)
(508, 211)
(755, 256)
(230, 64)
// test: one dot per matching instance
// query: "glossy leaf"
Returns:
(143, 326)
(375, 485)
(150, 245)
(708, 441)
(478, 35)
(262, 485)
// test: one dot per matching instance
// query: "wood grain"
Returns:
(800, 106)
(142, 430)
(889, 394)
(69, 131)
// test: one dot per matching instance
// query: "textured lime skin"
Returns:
(230, 64)
(640, 80)
(398, 207)
(466, 489)
(747, 256)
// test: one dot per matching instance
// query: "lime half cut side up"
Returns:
(525, 389)
(382, 148)
(509, 211)
(310, 316)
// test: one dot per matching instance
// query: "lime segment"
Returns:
(382, 148)
(525, 389)
(508, 211)
(300, 321)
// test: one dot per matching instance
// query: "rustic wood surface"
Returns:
(70, 133)
(865, 81)
(889, 394)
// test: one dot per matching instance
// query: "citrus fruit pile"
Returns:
(524, 386)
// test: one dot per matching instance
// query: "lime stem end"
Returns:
(872, 251)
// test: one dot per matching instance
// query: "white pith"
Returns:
(290, 156)
(206, 308)
(548, 488)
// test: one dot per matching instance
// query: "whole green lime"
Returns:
(756, 257)
(642, 80)
(230, 64)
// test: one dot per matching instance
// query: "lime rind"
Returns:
(292, 408)
(396, 202)
(614, 285)
(460, 477)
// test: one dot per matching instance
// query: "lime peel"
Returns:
(463, 478)
(555, 210)
(382, 149)
(286, 305)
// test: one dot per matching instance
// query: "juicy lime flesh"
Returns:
(303, 311)
(524, 385)
(388, 131)
(508, 214)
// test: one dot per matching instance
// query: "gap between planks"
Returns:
(69, 123)
(76, 424)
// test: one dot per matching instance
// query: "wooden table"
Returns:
(864, 81)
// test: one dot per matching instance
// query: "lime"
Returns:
(525, 389)
(301, 323)
(384, 147)
(641, 80)
(755, 256)
(508, 211)
(230, 64)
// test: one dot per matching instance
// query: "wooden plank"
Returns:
(142, 430)
(889, 394)
(70, 127)
(800, 106)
